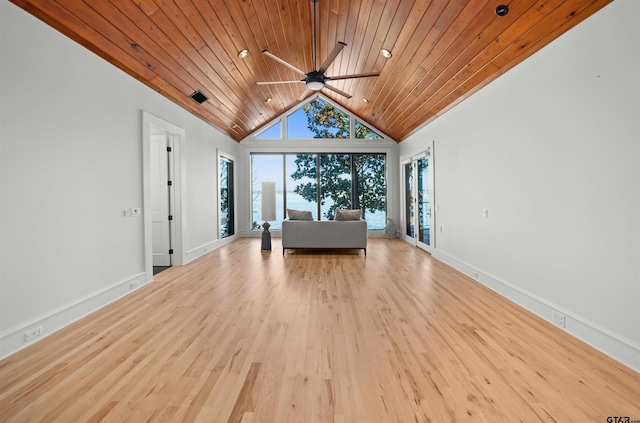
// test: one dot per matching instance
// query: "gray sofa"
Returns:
(324, 234)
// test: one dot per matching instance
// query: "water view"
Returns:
(295, 201)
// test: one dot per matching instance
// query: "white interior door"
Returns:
(160, 211)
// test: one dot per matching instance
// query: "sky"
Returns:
(268, 167)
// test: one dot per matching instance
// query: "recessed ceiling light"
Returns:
(502, 10)
(243, 53)
(386, 53)
(365, 100)
(268, 100)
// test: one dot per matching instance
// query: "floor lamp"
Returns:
(268, 211)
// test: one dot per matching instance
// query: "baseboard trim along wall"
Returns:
(194, 253)
(13, 339)
(623, 350)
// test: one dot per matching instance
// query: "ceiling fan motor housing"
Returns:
(314, 80)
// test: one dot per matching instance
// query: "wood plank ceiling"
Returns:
(443, 50)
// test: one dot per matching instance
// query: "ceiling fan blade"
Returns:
(279, 60)
(332, 56)
(304, 94)
(335, 90)
(277, 82)
(358, 75)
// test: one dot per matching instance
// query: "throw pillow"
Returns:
(299, 214)
(342, 214)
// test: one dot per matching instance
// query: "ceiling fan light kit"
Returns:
(316, 79)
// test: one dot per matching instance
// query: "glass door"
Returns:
(423, 200)
(418, 198)
(409, 203)
(227, 221)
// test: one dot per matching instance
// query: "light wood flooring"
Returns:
(330, 336)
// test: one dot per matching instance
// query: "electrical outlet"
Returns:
(559, 319)
(133, 285)
(133, 212)
(474, 274)
(33, 333)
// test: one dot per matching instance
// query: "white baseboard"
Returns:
(615, 346)
(203, 249)
(13, 340)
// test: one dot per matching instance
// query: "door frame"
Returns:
(413, 159)
(153, 125)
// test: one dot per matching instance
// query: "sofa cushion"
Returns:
(299, 214)
(342, 214)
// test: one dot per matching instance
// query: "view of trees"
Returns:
(351, 181)
(325, 120)
(226, 198)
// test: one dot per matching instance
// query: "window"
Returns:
(226, 198)
(272, 132)
(318, 118)
(301, 185)
(322, 183)
(266, 167)
(364, 132)
(335, 184)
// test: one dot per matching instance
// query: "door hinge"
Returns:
(168, 149)
(171, 251)
(170, 217)
(169, 183)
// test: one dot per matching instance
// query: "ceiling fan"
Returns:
(316, 79)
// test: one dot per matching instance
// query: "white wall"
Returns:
(70, 164)
(552, 150)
